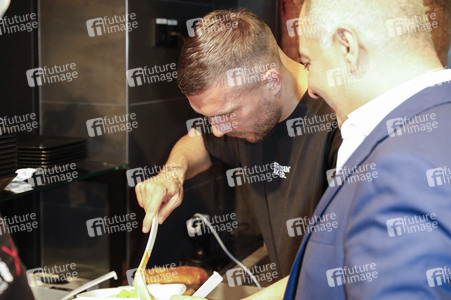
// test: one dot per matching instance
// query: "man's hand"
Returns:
(160, 194)
(163, 193)
(275, 291)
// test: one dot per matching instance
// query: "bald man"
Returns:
(374, 63)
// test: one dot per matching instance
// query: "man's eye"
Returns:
(306, 66)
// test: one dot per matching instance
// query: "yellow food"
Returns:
(126, 294)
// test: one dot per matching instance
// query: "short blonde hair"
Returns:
(225, 40)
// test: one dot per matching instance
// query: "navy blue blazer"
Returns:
(392, 208)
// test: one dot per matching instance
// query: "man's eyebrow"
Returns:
(220, 113)
(228, 111)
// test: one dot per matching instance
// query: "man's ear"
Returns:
(348, 46)
(273, 80)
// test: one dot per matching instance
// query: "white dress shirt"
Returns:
(363, 120)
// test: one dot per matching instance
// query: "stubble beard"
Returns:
(264, 124)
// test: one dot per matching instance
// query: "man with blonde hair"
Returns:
(279, 146)
(374, 63)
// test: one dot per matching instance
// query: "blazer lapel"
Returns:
(415, 105)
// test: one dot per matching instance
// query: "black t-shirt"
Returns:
(301, 149)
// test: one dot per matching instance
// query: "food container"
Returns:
(159, 291)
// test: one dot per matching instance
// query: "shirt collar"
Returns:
(366, 117)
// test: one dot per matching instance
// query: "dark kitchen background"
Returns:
(101, 89)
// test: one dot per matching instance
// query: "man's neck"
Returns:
(391, 77)
(298, 73)
(290, 95)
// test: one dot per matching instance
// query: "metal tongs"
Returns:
(90, 284)
(140, 280)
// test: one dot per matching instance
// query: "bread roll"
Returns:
(189, 292)
(190, 276)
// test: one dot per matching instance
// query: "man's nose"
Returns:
(313, 94)
(220, 128)
(216, 131)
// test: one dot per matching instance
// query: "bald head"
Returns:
(356, 50)
(397, 24)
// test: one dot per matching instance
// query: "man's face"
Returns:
(321, 62)
(254, 112)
